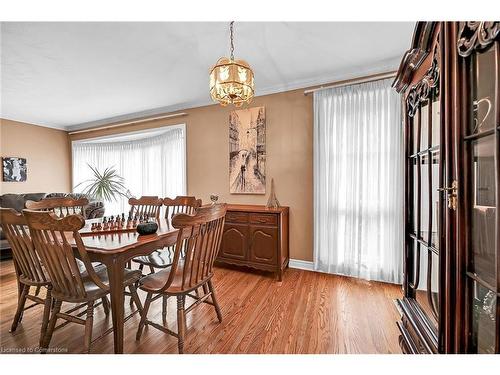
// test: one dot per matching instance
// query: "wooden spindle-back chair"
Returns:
(29, 269)
(163, 258)
(200, 236)
(145, 206)
(61, 206)
(55, 239)
(181, 205)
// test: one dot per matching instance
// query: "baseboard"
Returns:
(301, 264)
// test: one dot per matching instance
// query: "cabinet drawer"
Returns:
(236, 217)
(259, 218)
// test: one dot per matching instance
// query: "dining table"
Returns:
(115, 249)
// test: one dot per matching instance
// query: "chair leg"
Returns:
(20, 307)
(135, 297)
(144, 315)
(105, 304)
(37, 290)
(89, 322)
(46, 313)
(214, 300)
(164, 308)
(141, 267)
(181, 322)
(205, 289)
(51, 326)
(151, 269)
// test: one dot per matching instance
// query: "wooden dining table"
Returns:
(114, 250)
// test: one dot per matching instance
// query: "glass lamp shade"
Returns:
(231, 82)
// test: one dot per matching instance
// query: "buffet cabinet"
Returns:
(256, 237)
(449, 81)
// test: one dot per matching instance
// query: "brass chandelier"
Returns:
(231, 81)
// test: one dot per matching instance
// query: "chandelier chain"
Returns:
(232, 41)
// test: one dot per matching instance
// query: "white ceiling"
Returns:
(74, 75)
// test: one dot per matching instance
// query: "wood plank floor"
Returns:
(306, 313)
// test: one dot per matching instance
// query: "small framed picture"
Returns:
(14, 169)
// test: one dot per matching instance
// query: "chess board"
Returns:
(96, 227)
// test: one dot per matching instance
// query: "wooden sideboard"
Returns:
(256, 236)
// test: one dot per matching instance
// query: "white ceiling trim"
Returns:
(383, 67)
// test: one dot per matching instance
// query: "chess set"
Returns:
(116, 224)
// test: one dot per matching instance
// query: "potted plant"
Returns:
(106, 186)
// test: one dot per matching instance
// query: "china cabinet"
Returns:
(449, 81)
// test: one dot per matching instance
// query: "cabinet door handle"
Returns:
(451, 192)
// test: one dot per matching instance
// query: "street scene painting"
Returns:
(247, 151)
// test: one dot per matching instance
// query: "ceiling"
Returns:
(74, 75)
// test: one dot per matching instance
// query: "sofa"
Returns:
(94, 209)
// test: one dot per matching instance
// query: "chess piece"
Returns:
(273, 201)
(117, 222)
(134, 222)
(123, 222)
(104, 223)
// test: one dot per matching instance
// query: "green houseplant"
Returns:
(106, 186)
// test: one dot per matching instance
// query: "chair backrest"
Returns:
(146, 205)
(200, 237)
(181, 205)
(27, 261)
(61, 206)
(51, 236)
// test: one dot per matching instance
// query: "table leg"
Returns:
(115, 273)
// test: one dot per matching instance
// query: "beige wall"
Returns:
(47, 153)
(289, 126)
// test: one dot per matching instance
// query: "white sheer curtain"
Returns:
(152, 165)
(359, 181)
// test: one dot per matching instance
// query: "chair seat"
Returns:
(93, 291)
(157, 259)
(155, 281)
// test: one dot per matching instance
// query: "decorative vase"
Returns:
(273, 201)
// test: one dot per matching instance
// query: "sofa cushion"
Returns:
(15, 201)
(56, 195)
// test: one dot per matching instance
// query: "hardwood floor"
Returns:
(306, 313)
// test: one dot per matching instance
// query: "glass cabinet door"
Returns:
(424, 201)
(480, 137)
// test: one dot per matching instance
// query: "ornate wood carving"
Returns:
(421, 91)
(476, 35)
(421, 47)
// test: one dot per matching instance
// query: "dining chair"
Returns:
(145, 206)
(28, 267)
(200, 235)
(52, 238)
(61, 206)
(163, 258)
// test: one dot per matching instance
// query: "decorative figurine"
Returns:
(273, 201)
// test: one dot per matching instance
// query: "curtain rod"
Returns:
(129, 122)
(354, 81)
